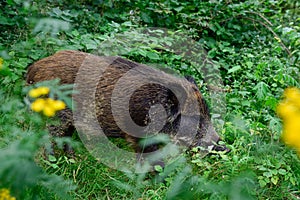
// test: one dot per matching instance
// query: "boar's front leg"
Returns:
(65, 129)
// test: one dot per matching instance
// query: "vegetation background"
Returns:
(255, 46)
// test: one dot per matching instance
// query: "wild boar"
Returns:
(147, 100)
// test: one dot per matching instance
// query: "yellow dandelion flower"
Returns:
(286, 110)
(49, 111)
(291, 132)
(56, 104)
(293, 96)
(50, 102)
(48, 106)
(59, 105)
(5, 195)
(38, 105)
(34, 93)
(289, 111)
(44, 90)
(1, 63)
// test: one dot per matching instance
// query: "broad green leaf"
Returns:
(262, 90)
(292, 180)
(234, 69)
(262, 183)
(146, 18)
(249, 64)
(274, 180)
(158, 168)
(267, 174)
(282, 171)
(52, 158)
(152, 55)
(178, 9)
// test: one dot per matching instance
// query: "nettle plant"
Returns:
(23, 136)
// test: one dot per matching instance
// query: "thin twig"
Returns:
(262, 23)
(271, 30)
(263, 17)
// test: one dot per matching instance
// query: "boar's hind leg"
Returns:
(140, 149)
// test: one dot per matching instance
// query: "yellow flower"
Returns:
(38, 105)
(49, 111)
(1, 63)
(59, 105)
(291, 132)
(289, 111)
(48, 106)
(293, 96)
(286, 110)
(50, 102)
(56, 104)
(5, 195)
(34, 93)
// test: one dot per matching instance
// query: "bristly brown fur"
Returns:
(65, 66)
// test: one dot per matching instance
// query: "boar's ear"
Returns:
(190, 79)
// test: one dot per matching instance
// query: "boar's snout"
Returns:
(221, 147)
(209, 138)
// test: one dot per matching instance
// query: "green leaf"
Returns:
(262, 168)
(282, 171)
(262, 90)
(54, 166)
(178, 9)
(237, 27)
(142, 52)
(75, 33)
(292, 180)
(152, 55)
(234, 100)
(158, 168)
(52, 158)
(234, 69)
(51, 26)
(271, 102)
(246, 103)
(249, 64)
(262, 183)
(267, 174)
(274, 180)
(146, 18)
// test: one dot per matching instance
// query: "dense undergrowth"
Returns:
(251, 46)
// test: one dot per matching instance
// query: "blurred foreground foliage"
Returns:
(253, 46)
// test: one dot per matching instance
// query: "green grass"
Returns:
(254, 48)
